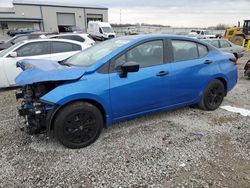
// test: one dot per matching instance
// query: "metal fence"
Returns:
(159, 30)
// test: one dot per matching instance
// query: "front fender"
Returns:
(95, 90)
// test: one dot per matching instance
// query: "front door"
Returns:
(144, 90)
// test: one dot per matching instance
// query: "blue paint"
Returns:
(44, 70)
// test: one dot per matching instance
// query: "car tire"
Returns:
(78, 125)
(213, 96)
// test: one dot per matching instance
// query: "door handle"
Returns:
(207, 62)
(162, 73)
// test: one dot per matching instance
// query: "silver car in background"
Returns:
(227, 46)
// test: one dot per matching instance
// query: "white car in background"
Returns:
(47, 49)
(80, 37)
(202, 34)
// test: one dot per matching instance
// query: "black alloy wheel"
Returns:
(213, 96)
(78, 125)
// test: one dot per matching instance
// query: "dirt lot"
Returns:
(182, 148)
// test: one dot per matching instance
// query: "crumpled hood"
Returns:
(35, 71)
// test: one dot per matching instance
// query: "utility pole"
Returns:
(120, 16)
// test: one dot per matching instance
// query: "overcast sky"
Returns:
(180, 13)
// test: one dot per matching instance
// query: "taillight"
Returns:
(234, 60)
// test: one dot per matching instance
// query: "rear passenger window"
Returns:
(184, 50)
(203, 51)
(215, 43)
(77, 47)
(77, 38)
(72, 37)
(224, 44)
(59, 47)
(188, 50)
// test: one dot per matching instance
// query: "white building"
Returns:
(48, 16)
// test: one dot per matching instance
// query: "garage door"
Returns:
(94, 17)
(66, 19)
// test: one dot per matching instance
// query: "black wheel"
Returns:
(78, 125)
(213, 96)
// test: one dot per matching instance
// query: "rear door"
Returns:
(191, 68)
(63, 50)
(34, 50)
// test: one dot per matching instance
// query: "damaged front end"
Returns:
(33, 112)
(38, 78)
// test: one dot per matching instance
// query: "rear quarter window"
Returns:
(215, 43)
(225, 44)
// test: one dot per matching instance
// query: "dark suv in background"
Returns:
(19, 38)
(19, 31)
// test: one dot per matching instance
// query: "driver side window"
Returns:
(146, 55)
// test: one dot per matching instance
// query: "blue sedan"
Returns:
(118, 80)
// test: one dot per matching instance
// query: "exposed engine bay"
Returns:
(32, 110)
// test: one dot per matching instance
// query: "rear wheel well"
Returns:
(236, 55)
(93, 102)
(224, 83)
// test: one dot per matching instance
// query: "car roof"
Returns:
(29, 34)
(152, 36)
(138, 38)
(214, 39)
(67, 34)
(55, 40)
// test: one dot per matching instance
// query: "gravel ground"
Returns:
(182, 148)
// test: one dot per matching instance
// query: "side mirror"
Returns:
(13, 54)
(129, 67)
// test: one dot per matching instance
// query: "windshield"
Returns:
(107, 30)
(95, 53)
(6, 51)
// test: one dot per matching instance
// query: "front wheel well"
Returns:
(93, 102)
